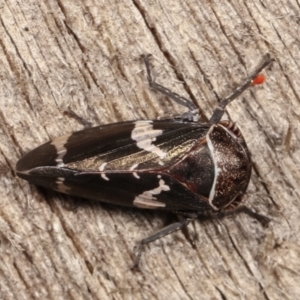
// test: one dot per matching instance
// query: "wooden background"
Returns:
(85, 55)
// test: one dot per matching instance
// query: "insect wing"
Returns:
(118, 163)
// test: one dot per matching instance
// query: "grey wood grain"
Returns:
(86, 55)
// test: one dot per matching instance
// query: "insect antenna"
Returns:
(219, 111)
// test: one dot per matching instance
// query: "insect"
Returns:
(178, 164)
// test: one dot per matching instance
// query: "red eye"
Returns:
(259, 79)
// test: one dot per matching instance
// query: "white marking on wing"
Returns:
(134, 173)
(103, 175)
(59, 144)
(101, 169)
(144, 134)
(61, 187)
(133, 167)
(147, 200)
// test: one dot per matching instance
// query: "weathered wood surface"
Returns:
(86, 55)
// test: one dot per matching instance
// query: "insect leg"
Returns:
(161, 233)
(219, 111)
(174, 96)
(246, 210)
(70, 113)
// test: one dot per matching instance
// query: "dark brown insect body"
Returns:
(210, 169)
(177, 164)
